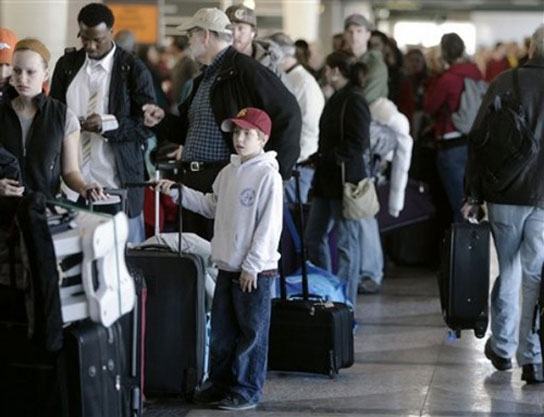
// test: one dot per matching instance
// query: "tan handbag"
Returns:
(359, 200)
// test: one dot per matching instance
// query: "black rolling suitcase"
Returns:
(95, 365)
(308, 334)
(175, 317)
(464, 277)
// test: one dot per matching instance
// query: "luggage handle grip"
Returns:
(308, 297)
(177, 185)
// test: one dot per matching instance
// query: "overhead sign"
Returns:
(142, 19)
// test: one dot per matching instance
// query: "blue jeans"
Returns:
(371, 258)
(136, 229)
(239, 338)
(518, 232)
(324, 215)
(451, 164)
(306, 177)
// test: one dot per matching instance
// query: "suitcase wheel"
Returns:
(479, 333)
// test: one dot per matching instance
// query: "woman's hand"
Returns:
(248, 282)
(10, 188)
(164, 186)
(152, 114)
(93, 192)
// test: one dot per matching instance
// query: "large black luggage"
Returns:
(464, 277)
(175, 318)
(309, 334)
(95, 362)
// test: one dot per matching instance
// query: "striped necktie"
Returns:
(86, 136)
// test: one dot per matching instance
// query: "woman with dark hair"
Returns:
(343, 138)
(442, 99)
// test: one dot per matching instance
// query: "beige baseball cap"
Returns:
(208, 18)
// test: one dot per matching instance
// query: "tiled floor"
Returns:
(404, 366)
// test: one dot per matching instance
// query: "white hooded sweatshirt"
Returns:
(385, 112)
(247, 204)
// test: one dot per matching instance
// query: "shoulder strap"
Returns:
(515, 79)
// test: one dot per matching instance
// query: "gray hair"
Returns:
(537, 42)
(223, 36)
(126, 40)
(285, 43)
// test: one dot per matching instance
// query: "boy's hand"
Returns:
(248, 282)
(164, 186)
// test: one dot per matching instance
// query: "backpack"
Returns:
(471, 100)
(504, 143)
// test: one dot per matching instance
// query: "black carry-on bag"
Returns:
(175, 316)
(464, 277)
(308, 334)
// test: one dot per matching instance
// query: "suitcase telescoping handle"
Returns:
(305, 290)
(283, 284)
(180, 194)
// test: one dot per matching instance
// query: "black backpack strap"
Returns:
(515, 85)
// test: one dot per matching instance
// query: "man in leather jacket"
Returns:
(229, 82)
(516, 215)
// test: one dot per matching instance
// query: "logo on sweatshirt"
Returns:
(247, 197)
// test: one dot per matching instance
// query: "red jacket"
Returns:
(444, 94)
(495, 67)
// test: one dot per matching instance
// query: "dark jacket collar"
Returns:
(39, 100)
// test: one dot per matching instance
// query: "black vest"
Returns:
(41, 160)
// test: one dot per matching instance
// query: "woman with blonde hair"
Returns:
(41, 132)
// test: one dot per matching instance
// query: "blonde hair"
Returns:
(31, 44)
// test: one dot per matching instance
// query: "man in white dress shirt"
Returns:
(106, 87)
(311, 102)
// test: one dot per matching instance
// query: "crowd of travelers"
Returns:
(228, 99)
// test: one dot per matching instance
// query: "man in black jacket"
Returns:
(230, 81)
(107, 87)
(516, 214)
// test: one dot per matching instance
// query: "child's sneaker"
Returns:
(235, 402)
(209, 396)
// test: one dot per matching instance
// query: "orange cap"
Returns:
(8, 39)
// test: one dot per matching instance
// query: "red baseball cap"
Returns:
(249, 118)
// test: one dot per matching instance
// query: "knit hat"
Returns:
(249, 118)
(33, 45)
(7, 43)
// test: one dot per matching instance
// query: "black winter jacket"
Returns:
(528, 188)
(40, 158)
(243, 82)
(131, 87)
(341, 140)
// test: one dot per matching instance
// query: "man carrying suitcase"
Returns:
(504, 169)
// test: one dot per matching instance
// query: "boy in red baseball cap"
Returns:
(247, 204)
(8, 39)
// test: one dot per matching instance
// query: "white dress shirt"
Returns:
(311, 101)
(95, 75)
